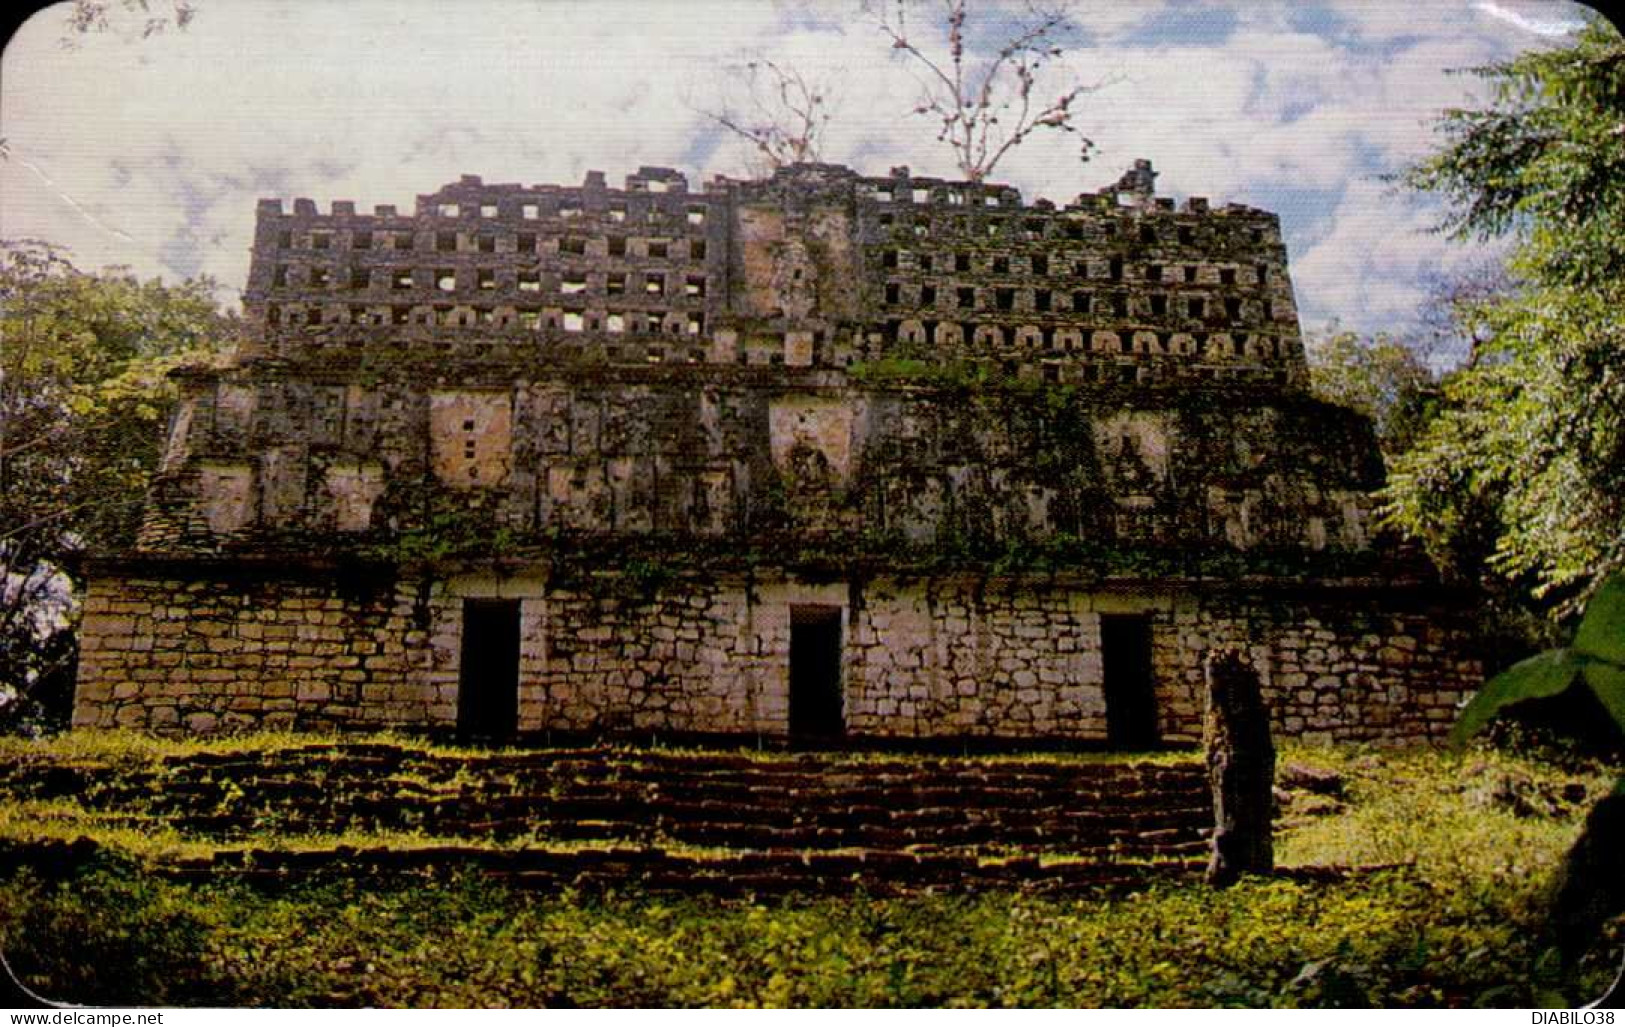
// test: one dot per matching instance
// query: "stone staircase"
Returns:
(666, 820)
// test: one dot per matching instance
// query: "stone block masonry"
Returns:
(942, 658)
(820, 455)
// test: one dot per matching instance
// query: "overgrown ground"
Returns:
(1470, 839)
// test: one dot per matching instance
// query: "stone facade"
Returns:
(947, 657)
(819, 454)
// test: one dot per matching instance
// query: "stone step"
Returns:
(772, 871)
(816, 802)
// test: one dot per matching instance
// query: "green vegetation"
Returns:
(1468, 840)
(1586, 682)
(1520, 479)
(440, 525)
(84, 395)
(961, 375)
(1381, 377)
(1593, 666)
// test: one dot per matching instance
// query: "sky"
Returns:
(150, 152)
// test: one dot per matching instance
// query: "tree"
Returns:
(1585, 680)
(779, 111)
(83, 400)
(1381, 377)
(984, 107)
(1530, 441)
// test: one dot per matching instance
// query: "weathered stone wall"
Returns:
(203, 653)
(815, 266)
(1360, 669)
(260, 458)
(948, 657)
(902, 399)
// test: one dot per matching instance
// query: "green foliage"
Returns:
(1381, 377)
(83, 400)
(438, 525)
(1523, 473)
(920, 371)
(148, 956)
(970, 376)
(1595, 662)
(1593, 666)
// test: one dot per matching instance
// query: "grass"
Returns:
(135, 749)
(1457, 923)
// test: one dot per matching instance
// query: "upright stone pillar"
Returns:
(1241, 769)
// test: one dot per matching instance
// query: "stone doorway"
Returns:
(1131, 700)
(488, 678)
(815, 673)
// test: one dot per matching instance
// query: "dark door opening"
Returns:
(488, 679)
(1131, 701)
(815, 672)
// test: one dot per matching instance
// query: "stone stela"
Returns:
(821, 455)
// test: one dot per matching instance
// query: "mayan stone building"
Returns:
(819, 455)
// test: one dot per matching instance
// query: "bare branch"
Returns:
(774, 107)
(986, 110)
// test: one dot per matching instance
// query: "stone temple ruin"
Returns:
(818, 456)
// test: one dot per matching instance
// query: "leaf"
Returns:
(1607, 682)
(1539, 677)
(1602, 629)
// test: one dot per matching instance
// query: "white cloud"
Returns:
(1540, 26)
(153, 153)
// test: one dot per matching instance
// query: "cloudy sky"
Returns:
(151, 152)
